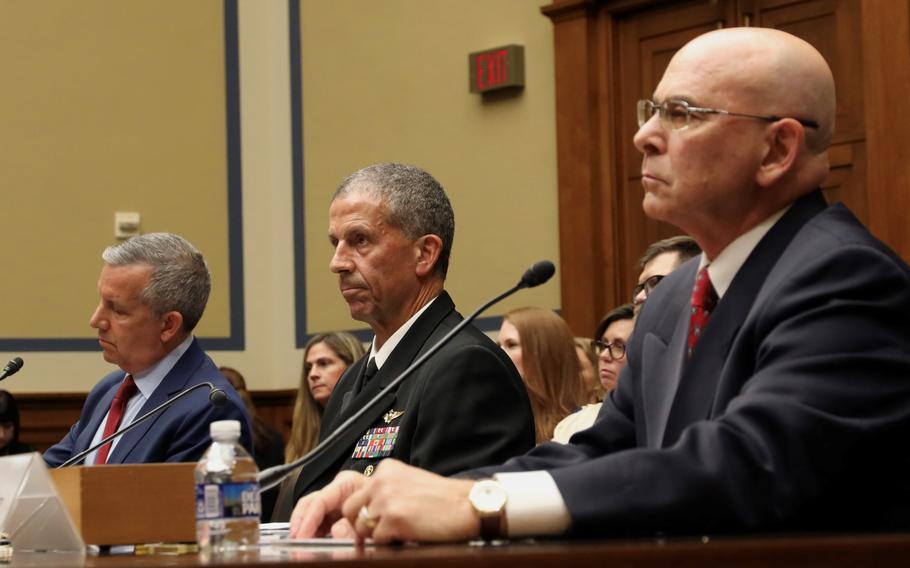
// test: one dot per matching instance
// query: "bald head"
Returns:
(750, 146)
(774, 73)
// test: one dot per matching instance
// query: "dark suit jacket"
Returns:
(465, 407)
(178, 434)
(791, 414)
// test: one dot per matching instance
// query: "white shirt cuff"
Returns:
(535, 506)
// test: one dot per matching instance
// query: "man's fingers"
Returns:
(343, 529)
(308, 516)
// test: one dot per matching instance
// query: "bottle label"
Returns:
(227, 500)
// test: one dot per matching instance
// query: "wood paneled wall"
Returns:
(610, 53)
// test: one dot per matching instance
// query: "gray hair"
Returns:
(180, 279)
(414, 200)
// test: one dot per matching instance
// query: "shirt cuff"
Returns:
(534, 506)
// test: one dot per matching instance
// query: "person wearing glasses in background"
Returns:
(766, 387)
(662, 258)
(612, 334)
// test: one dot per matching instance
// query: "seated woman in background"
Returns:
(612, 334)
(587, 359)
(267, 441)
(325, 358)
(541, 345)
(9, 427)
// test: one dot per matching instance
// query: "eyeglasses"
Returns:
(676, 114)
(617, 350)
(647, 286)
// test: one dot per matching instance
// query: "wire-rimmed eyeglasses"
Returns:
(617, 349)
(646, 286)
(676, 114)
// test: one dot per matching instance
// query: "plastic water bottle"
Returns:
(227, 493)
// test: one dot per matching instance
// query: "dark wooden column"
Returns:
(886, 82)
(586, 236)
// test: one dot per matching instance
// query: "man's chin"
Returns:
(358, 311)
(654, 207)
(109, 355)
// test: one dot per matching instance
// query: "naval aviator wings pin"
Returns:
(392, 415)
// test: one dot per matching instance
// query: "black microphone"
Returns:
(539, 273)
(216, 396)
(12, 367)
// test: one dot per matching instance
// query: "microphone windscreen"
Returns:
(12, 367)
(539, 273)
(217, 397)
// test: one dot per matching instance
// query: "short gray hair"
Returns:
(180, 279)
(415, 203)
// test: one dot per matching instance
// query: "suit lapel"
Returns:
(405, 352)
(174, 382)
(662, 366)
(346, 387)
(104, 405)
(703, 370)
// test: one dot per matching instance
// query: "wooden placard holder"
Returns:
(130, 504)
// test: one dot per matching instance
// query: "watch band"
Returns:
(491, 527)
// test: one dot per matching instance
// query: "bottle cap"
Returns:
(225, 428)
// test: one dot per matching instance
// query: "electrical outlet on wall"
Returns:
(126, 225)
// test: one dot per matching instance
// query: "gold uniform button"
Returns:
(369, 470)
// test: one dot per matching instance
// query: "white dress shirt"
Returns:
(392, 342)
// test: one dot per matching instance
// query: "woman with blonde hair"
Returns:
(542, 347)
(325, 358)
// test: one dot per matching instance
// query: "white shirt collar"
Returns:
(392, 342)
(723, 269)
(149, 379)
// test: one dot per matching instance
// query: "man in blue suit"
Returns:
(153, 291)
(768, 380)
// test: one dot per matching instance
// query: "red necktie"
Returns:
(115, 416)
(704, 298)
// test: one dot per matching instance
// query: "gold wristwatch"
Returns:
(488, 498)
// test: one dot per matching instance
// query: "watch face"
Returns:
(488, 497)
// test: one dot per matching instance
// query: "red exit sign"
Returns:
(497, 68)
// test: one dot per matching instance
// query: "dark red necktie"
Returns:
(704, 298)
(115, 416)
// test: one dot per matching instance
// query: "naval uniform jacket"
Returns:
(792, 413)
(465, 407)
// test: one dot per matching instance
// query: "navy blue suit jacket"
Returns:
(178, 434)
(792, 412)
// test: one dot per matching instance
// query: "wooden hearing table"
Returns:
(829, 551)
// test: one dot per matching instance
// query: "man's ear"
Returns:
(428, 249)
(785, 142)
(171, 325)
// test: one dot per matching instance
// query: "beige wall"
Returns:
(382, 81)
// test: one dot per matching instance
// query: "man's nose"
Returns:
(97, 320)
(340, 261)
(649, 139)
